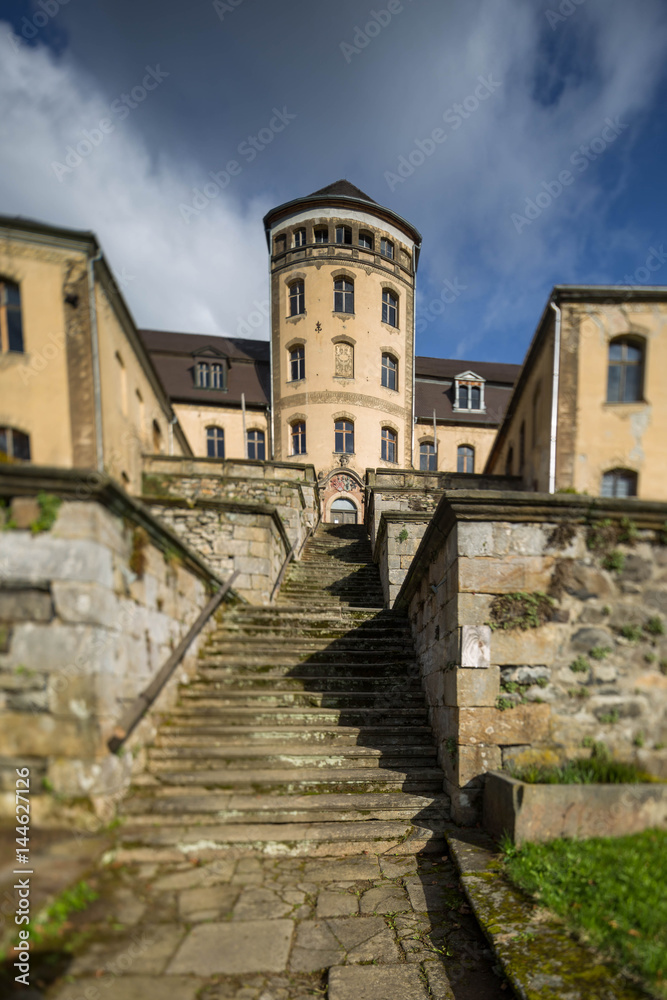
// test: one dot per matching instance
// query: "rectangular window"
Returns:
(298, 433)
(11, 327)
(256, 445)
(343, 235)
(427, 457)
(217, 377)
(387, 248)
(389, 372)
(343, 296)
(389, 308)
(344, 437)
(297, 364)
(299, 237)
(366, 241)
(321, 235)
(297, 298)
(388, 445)
(465, 459)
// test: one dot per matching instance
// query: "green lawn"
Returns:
(612, 890)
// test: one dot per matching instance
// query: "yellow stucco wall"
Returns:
(194, 420)
(450, 437)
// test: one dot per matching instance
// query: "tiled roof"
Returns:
(492, 371)
(344, 188)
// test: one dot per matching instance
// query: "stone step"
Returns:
(200, 733)
(291, 755)
(314, 780)
(325, 665)
(326, 699)
(215, 667)
(349, 641)
(217, 680)
(194, 714)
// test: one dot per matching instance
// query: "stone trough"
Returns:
(544, 812)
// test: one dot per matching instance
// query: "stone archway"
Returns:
(341, 484)
(343, 511)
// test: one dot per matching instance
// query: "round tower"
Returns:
(342, 273)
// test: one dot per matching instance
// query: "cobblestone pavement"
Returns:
(372, 927)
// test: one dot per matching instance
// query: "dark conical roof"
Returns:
(344, 188)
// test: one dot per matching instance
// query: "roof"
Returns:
(344, 188)
(174, 356)
(492, 371)
(438, 392)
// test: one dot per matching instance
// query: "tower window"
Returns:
(215, 442)
(297, 298)
(625, 374)
(427, 457)
(256, 445)
(344, 235)
(387, 248)
(321, 235)
(389, 372)
(297, 360)
(465, 458)
(389, 308)
(298, 435)
(389, 443)
(366, 240)
(344, 437)
(343, 295)
(619, 483)
(14, 444)
(299, 237)
(11, 325)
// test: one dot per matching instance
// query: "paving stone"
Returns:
(365, 939)
(234, 948)
(315, 947)
(369, 982)
(260, 904)
(342, 869)
(131, 988)
(398, 867)
(145, 952)
(207, 904)
(438, 981)
(337, 904)
(424, 895)
(385, 899)
(217, 872)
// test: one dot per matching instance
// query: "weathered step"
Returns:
(333, 629)
(290, 755)
(215, 680)
(216, 807)
(196, 714)
(314, 780)
(201, 733)
(326, 699)
(215, 667)
(350, 642)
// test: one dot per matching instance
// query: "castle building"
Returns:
(337, 386)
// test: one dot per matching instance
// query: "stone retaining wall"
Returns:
(585, 664)
(397, 541)
(90, 609)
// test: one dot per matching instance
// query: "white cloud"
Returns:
(205, 276)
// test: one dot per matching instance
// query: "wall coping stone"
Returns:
(398, 517)
(487, 505)
(219, 465)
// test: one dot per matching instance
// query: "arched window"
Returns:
(427, 457)
(344, 437)
(297, 298)
(343, 295)
(11, 326)
(389, 308)
(366, 240)
(475, 397)
(343, 511)
(297, 363)
(256, 445)
(298, 436)
(14, 445)
(389, 444)
(463, 397)
(343, 234)
(387, 248)
(321, 235)
(299, 237)
(619, 483)
(215, 442)
(625, 375)
(465, 458)
(389, 372)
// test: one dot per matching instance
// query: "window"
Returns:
(344, 437)
(469, 397)
(389, 372)
(389, 308)
(475, 397)
(465, 458)
(389, 444)
(299, 438)
(343, 234)
(343, 295)
(215, 442)
(321, 235)
(14, 444)
(297, 362)
(366, 240)
(279, 244)
(463, 397)
(209, 376)
(217, 377)
(428, 458)
(619, 483)
(256, 445)
(11, 327)
(297, 298)
(387, 248)
(626, 371)
(299, 237)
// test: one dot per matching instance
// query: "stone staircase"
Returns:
(304, 732)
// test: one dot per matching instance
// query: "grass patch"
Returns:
(610, 890)
(631, 632)
(580, 665)
(599, 769)
(520, 610)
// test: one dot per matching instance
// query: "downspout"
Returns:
(272, 425)
(415, 258)
(97, 382)
(554, 401)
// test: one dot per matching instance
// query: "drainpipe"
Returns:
(554, 401)
(97, 383)
(272, 425)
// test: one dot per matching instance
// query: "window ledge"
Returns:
(341, 315)
(390, 326)
(630, 402)
(468, 409)
(295, 319)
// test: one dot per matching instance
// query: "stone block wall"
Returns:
(232, 536)
(541, 629)
(91, 606)
(397, 541)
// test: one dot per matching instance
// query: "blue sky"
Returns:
(484, 104)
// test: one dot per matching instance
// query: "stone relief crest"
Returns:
(343, 483)
(344, 360)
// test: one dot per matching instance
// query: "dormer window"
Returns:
(469, 392)
(209, 375)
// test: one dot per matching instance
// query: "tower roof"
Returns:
(344, 188)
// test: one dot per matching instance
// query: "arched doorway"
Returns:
(343, 511)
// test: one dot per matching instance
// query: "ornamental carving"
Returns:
(344, 360)
(343, 484)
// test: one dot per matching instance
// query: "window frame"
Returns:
(297, 362)
(618, 475)
(256, 444)
(390, 308)
(389, 373)
(625, 366)
(346, 433)
(389, 445)
(386, 248)
(465, 455)
(367, 237)
(10, 434)
(428, 460)
(298, 437)
(319, 231)
(297, 297)
(299, 237)
(345, 231)
(215, 435)
(344, 295)
(9, 310)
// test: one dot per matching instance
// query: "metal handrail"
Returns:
(136, 711)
